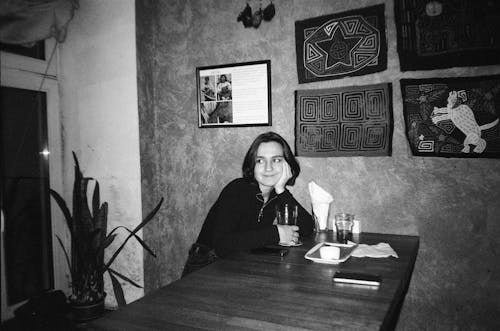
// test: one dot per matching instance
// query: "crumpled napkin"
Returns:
(378, 251)
(320, 200)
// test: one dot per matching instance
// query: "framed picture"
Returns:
(237, 94)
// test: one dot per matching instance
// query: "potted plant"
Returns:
(89, 239)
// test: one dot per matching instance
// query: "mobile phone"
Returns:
(356, 278)
(277, 251)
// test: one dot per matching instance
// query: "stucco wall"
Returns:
(98, 80)
(452, 204)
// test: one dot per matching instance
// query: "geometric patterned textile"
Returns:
(447, 33)
(345, 121)
(453, 117)
(346, 44)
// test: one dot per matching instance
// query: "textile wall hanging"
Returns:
(453, 117)
(346, 121)
(447, 33)
(346, 44)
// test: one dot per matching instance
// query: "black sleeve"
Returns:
(230, 229)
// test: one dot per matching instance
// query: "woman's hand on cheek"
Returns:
(286, 174)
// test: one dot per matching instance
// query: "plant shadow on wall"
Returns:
(89, 239)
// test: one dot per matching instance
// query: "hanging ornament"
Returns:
(269, 12)
(246, 16)
(257, 18)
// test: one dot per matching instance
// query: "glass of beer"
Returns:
(287, 214)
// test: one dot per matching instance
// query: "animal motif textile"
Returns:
(453, 117)
(346, 44)
(447, 33)
(346, 121)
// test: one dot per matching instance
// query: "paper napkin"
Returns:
(377, 251)
(320, 200)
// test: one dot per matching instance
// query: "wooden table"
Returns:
(256, 292)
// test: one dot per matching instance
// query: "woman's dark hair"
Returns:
(249, 161)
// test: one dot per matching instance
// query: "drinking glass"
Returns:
(343, 224)
(287, 214)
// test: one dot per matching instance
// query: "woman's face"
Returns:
(268, 165)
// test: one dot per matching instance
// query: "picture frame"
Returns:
(237, 94)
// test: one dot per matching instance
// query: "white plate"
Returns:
(345, 252)
(292, 244)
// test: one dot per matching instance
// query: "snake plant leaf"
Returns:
(101, 222)
(108, 241)
(137, 228)
(101, 219)
(64, 208)
(149, 217)
(117, 289)
(143, 244)
(85, 210)
(103, 246)
(112, 231)
(125, 278)
(95, 200)
(81, 209)
(77, 192)
(95, 239)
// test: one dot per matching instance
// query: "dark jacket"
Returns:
(239, 219)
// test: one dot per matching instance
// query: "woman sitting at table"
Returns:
(243, 217)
